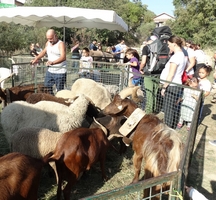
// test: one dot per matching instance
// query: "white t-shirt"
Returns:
(180, 60)
(205, 85)
(200, 56)
(191, 53)
(195, 195)
(86, 62)
(53, 53)
(123, 48)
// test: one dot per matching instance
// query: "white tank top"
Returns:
(53, 54)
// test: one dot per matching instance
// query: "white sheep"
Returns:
(66, 94)
(112, 89)
(35, 142)
(98, 94)
(44, 114)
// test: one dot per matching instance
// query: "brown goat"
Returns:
(20, 176)
(36, 97)
(112, 124)
(18, 93)
(153, 141)
(75, 152)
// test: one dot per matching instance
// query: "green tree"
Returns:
(195, 20)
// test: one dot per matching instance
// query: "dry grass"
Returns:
(119, 169)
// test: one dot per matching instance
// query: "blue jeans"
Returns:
(58, 79)
(75, 62)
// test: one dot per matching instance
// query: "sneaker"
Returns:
(212, 142)
(179, 125)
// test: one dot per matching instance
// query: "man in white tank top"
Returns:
(56, 51)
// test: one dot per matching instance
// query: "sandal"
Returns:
(179, 125)
(188, 128)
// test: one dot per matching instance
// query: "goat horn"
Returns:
(129, 91)
(137, 95)
(101, 126)
(2, 79)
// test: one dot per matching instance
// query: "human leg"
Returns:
(180, 123)
(75, 61)
(60, 80)
(142, 87)
(171, 110)
(148, 84)
(155, 83)
(188, 126)
(49, 82)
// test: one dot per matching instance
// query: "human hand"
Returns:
(188, 189)
(163, 92)
(35, 61)
(141, 71)
(48, 63)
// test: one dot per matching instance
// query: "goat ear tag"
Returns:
(132, 121)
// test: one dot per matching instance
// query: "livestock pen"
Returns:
(120, 168)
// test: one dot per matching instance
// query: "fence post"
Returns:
(12, 78)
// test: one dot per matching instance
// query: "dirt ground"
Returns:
(202, 174)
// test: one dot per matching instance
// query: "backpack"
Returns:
(159, 50)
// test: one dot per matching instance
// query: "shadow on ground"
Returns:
(196, 169)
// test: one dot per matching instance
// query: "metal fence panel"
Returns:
(153, 102)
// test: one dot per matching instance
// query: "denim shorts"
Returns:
(136, 81)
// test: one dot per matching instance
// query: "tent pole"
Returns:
(64, 34)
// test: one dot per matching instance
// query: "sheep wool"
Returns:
(44, 114)
(35, 142)
(98, 94)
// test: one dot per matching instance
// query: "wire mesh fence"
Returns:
(135, 191)
(179, 108)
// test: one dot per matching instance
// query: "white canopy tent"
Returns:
(63, 17)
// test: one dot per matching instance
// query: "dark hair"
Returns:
(86, 49)
(175, 39)
(193, 79)
(133, 52)
(207, 68)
